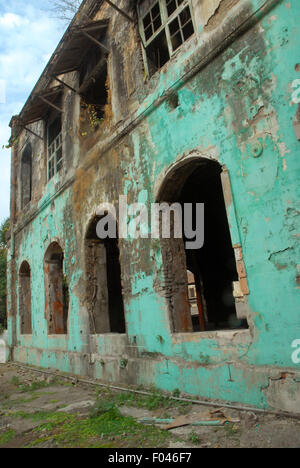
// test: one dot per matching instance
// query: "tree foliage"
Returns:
(4, 228)
(3, 264)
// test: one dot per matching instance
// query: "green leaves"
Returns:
(4, 228)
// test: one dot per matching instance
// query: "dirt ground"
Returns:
(44, 411)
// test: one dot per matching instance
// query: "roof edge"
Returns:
(46, 78)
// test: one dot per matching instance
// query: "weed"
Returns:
(231, 430)
(6, 437)
(34, 386)
(21, 401)
(155, 400)
(15, 381)
(31, 387)
(102, 407)
(105, 427)
(54, 417)
(193, 437)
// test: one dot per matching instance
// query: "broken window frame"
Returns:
(89, 78)
(241, 289)
(55, 157)
(166, 21)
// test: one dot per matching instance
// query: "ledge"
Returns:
(227, 336)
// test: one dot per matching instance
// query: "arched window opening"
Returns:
(201, 281)
(25, 299)
(57, 291)
(26, 176)
(104, 287)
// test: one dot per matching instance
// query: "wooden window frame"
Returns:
(241, 289)
(166, 20)
(55, 154)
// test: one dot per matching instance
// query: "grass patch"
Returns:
(56, 418)
(105, 427)
(21, 401)
(15, 381)
(156, 400)
(34, 386)
(6, 437)
(193, 437)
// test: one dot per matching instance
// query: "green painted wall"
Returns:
(239, 105)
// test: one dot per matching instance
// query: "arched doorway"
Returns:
(25, 299)
(209, 271)
(57, 291)
(104, 287)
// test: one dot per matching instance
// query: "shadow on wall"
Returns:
(3, 340)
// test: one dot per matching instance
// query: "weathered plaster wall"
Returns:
(234, 106)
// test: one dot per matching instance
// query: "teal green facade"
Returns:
(236, 105)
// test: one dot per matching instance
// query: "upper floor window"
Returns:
(164, 25)
(26, 176)
(92, 82)
(54, 141)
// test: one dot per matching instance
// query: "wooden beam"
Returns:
(33, 133)
(50, 91)
(65, 84)
(64, 71)
(99, 44)
(95, 27)
(50, 104)
(120, 11)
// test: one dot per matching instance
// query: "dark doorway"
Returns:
(104, 287)
(25, 299)
(57, 291)
(211, 270)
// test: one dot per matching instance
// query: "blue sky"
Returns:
(28, 37)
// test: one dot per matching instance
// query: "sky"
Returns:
(28, 36)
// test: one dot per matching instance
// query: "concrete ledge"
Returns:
(223, 336)
(239, 383)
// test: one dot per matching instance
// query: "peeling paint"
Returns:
(232, 82)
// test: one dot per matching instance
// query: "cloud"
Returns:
(10, 20)
(28, 37)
